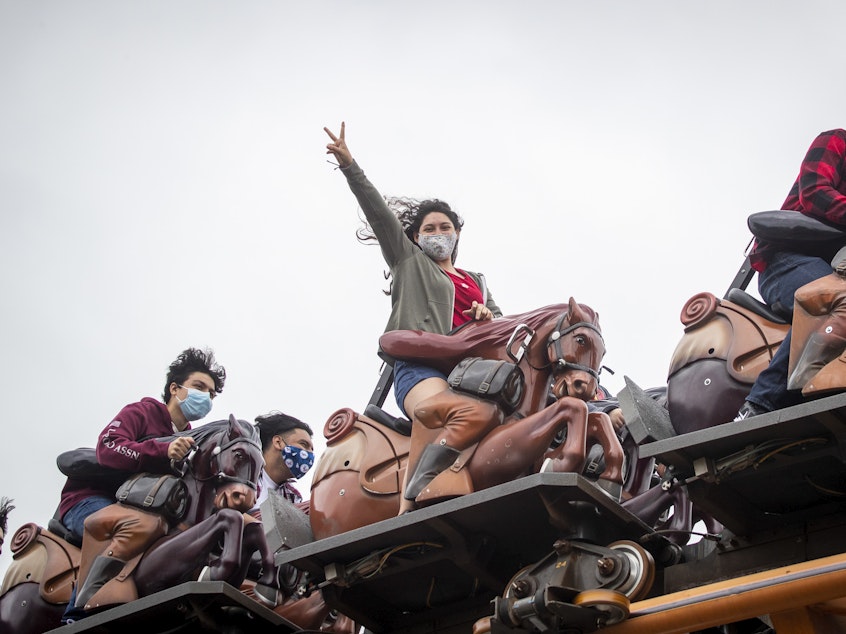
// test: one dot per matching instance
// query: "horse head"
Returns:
(224, 466)
(817, 345)
(575, 348)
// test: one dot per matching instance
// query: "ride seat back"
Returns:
(744, 299)
(55, 526)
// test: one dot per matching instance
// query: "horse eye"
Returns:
(581, 340)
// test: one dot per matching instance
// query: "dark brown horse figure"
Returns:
(559, 348)
(220, 476)
(726, 344)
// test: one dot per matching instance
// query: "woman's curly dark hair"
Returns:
(190, 361)
(411, 213)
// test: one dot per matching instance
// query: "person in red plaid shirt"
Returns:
(819, 192)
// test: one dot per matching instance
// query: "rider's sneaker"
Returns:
(748, 410)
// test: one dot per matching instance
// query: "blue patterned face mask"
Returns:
(298, 460)
(196, 405)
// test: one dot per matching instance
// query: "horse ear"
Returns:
(234, 427)
(575, 311)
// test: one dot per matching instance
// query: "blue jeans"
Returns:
(407, 375)
(785, 274)
(74, 519)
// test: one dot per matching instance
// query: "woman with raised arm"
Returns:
(419, 241)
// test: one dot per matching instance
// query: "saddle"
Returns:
(46, 559)
(743, 339)
(380, 450)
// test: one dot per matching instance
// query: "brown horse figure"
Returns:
(220, 477)
(559, 348)
(725, 345)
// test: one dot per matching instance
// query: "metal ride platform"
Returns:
(438, 568)
(189, 608)
(783, 467)
(777, 482)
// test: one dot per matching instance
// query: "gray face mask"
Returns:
(439, 247)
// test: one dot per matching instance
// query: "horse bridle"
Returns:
(221, 477)
(554, 342)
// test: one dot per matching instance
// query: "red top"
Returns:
(466, 292)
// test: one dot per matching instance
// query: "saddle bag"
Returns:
(166, 495)
(498, 381)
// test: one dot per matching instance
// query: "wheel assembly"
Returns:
(613, 605)
(641, 569)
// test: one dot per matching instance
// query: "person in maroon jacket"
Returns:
(820, 192)
(128, 442)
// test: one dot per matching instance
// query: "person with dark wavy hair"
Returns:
(419, 241)
(129, 443)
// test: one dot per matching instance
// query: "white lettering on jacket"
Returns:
(125, 451)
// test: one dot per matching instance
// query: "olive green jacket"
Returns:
(422, 294)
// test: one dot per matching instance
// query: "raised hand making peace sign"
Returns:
(338, 147)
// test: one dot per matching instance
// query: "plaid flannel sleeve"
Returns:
(820, 189)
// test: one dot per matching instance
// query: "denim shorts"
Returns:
(407, 375)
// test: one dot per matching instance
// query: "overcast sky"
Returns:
(163, 183)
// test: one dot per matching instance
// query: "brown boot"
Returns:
(433, 460)
(102, 570)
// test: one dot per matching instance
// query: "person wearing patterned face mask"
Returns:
(286, 443)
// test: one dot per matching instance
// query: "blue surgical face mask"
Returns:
(196, 404)
(298, 460)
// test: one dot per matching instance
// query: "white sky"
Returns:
(163, 183)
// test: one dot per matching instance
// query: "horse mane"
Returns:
(501, 329)
(444, 351)
(204, 432)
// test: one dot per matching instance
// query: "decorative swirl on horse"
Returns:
(698, 309)
(339, 424)
(24, 536)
